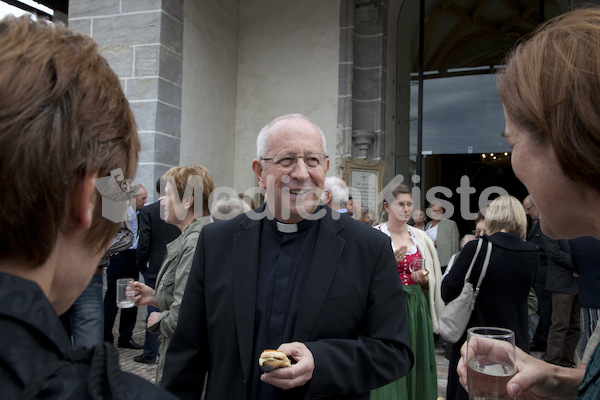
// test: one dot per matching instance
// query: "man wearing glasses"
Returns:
(290, 276)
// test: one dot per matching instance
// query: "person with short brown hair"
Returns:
(64, 123)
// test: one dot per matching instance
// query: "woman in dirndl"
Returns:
(419, 270)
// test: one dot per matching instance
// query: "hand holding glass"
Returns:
(416, 265)
(490, 362)
(125, 293)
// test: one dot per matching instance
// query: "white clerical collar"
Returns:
(287, 228)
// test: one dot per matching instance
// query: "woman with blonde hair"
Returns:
(420, 273)
(502, 299)
(181, 207)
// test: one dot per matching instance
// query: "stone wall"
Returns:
(143, 42)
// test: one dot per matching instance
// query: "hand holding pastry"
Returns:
(300, 371)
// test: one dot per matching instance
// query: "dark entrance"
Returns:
(483, 173)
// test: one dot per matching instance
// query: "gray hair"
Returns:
(137, 190)
(338, 189)
(263, 135)
(228, 207)
(466, 239)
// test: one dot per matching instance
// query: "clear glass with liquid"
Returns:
(487, 379)
(491, 360)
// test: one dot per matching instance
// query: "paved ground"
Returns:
(149, 371)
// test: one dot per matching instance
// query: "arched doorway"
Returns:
(450, 118)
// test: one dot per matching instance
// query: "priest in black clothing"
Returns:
(295, 276)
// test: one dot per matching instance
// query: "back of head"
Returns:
(551, 89)
(187, 180)
(63, 116)
(466, 239)
(229, 207)
(339, 192)
(506, 214)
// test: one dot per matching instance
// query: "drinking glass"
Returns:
(416, 265)
(490, 361)
(125, 293)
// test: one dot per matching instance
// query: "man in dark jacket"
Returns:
(540, 338)
(561, 283)
(294, 276)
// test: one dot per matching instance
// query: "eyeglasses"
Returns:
(529, 208)
(312, 160)
(402, 205)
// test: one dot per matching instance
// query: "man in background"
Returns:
(335, 194)
(534, 235)
(123, 265)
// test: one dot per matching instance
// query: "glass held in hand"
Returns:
(490, 362)
(417, 264)
(125, 293)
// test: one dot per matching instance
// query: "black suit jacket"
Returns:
(560, 269)
(351, 317)
(154, 235)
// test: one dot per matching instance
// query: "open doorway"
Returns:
(484, 174)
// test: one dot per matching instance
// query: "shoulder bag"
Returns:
(456, 314)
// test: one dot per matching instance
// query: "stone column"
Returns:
(344, 129)
(143, 42)
(363, 41)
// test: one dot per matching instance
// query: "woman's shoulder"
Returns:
(510, 241)
(191, 233)
(448, 225)
(419, 234)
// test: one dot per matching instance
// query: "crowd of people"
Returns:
(352, 300)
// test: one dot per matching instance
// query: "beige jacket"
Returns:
(428, 252)
(170, 285)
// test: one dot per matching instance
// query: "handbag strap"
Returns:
(479, 243)
(486, 262)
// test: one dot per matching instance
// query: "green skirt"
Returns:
(421, 381)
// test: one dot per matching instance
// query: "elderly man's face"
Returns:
(293, 191)
(140, 199)
(530, 209)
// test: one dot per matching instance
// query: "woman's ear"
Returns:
(189, 202)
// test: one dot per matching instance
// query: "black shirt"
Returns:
(284, 261)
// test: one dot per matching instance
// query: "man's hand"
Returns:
(296, 375)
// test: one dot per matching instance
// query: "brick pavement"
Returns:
(146, 371)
